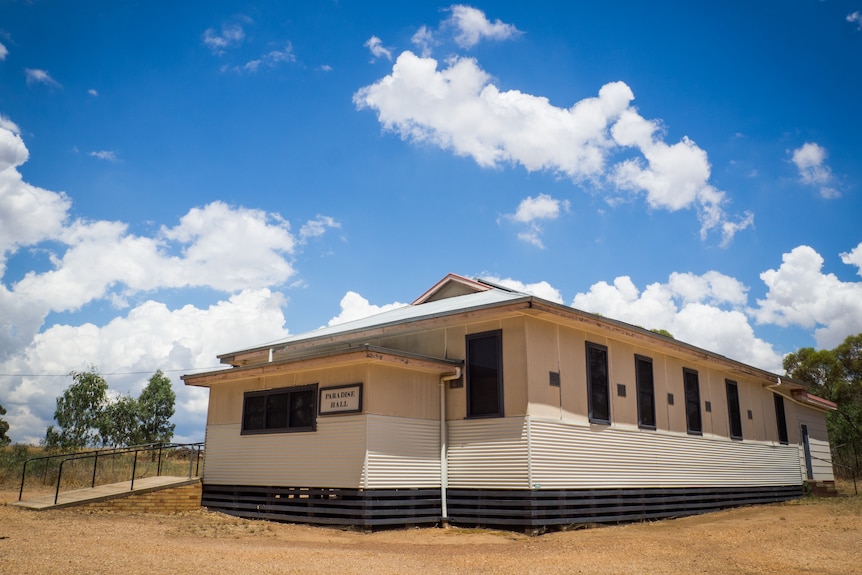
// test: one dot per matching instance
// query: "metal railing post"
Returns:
(95, 463)
(59, 476)
(134, 468)
(23, 475)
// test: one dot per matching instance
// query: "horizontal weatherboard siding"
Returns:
(354, 451)
(567, 456)
(402, 453)
(530, 453)
(378, 452)
(488, 453)
(332, 456)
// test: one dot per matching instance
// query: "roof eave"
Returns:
(367, 332)
(813, 401)
(359, 354)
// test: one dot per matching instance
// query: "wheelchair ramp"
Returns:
(114, 491)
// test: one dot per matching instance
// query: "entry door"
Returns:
(807, 447)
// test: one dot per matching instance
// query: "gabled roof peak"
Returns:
(453, 285)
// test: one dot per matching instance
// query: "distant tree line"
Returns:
(87, 417)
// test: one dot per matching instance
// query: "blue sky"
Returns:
(180, 180)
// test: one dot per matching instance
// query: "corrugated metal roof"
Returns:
(495, 296)
(406, 314)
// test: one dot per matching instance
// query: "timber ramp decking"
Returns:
(105, 495)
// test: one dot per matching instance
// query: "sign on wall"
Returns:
(340, 399)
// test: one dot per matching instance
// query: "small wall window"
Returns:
(733, 415)
(283, 410)
(781, 419)
(598, 394)
(693, 421)
(485, 374)
(646, 392)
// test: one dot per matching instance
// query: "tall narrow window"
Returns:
(733, 409)
(598, 394)
(693, 422)
(485, 374)
(646, 392)
(781, 419)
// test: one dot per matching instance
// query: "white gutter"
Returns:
(444, 463)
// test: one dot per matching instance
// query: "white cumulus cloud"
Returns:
(473, 26)
(459, 108)
(540, 289)
(317, 227)
(354, 306)
(854, 258)
(377, 49)
(531, 210)
(800, 294)
(542, 207)
(28, 214)
(674, 176)
(423, 39)
(810, 160)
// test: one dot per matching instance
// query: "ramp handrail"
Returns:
(95, 454)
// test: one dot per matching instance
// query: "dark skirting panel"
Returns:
(362, 508)
(510, 509)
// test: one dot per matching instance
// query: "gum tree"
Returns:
(155, 408)
(80, 413)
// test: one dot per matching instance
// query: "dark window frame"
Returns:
(781, 419)
(645, 392)
(598, 392)
(693, 416)
(271, 409)
(734, 415)
(472, 377)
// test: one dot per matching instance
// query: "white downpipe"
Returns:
(444, 462)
